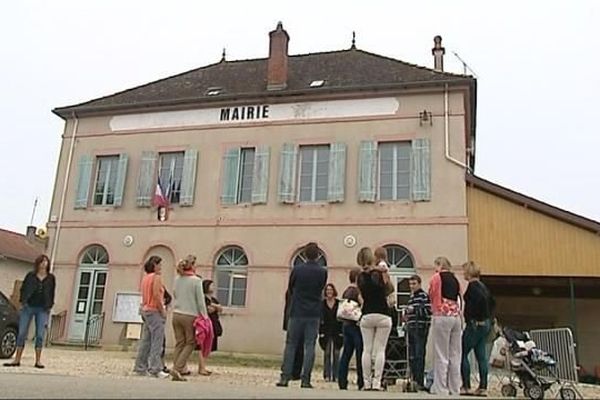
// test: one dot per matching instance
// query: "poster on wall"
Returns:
(127, 307)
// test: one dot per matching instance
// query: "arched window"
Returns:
(399, 257)
(300, 258)
(231, 277)
(402, 266)
(94, 255)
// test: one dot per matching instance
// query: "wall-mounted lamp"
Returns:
(425, 117)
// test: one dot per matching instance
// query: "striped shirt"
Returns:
(420, 314)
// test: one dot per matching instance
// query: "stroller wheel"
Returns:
(534, 392)
(508, 391)
(567, 394)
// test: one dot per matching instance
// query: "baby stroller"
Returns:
(533, 368)
(396, 367)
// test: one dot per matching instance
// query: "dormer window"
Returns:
(317, 83)
(213, 91)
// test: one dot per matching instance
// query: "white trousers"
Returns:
(375, 330)
(446, 333)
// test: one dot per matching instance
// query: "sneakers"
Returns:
(480, 393)
(161, 375)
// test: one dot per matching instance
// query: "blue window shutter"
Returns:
(188, 179)
(337, 172)
(287, 173)
(231, 176)
(260, 176)
(367, 174)
(421, 170)
(147, 179)
(83, 181)
(121, 176)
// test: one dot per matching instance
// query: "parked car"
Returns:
(9, 323)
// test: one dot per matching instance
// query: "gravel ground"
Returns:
(118, 365)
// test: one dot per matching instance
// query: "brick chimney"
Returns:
(30, 234)
(438, 54)
(277, 66)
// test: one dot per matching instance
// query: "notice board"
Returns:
(127, 307)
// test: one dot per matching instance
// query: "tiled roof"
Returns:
(16, 246)
(342, 70)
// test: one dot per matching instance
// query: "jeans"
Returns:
(474, 338)
(375, 330)
(446, 337)
(41, 318)
(298, 327)
(417, 342)
(352, 342)
(150, 346)
(331, 359)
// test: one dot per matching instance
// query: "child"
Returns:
(381, 259)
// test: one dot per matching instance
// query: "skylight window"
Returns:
(213, 91)
(317, 83)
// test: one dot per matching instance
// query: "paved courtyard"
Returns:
(107, 374)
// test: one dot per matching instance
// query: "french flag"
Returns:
(159, 198)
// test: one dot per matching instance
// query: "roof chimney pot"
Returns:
(277, 65)
(438, 54)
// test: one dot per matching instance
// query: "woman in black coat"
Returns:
(330, 334)
(37, 298)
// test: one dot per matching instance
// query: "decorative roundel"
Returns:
(128, 240)
(349, 241)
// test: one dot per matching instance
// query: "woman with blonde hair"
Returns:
(444, 291)
(189, 302)
(375, 324)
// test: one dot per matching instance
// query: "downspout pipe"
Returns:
(447, 132)
(64, 192)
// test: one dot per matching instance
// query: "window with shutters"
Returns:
(245, 173)
(313, 173)
(394, 161)
(170, 173)
(107, 169)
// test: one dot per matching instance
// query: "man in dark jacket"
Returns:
(305, 287)
(299, 355)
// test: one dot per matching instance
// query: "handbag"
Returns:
(349, 310)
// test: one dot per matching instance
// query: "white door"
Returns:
(88, 299)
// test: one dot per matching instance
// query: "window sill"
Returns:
(233, 311)
(403, 202)
(234, 206)
(321, 204)
(100, 208)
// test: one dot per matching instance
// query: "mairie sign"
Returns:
(257, 113)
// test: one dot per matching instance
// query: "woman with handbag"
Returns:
(330, 334)
(349, 313)
(376, 323)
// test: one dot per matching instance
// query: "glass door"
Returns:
(88, 300)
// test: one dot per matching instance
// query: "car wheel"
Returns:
(8, 343)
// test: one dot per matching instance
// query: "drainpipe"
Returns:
(447, 132)
(64, 193)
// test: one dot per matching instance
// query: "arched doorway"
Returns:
(168, 264)
(89, 289)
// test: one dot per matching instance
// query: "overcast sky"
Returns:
(537, 64)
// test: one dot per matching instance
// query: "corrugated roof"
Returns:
(16, 246)
(345, 69)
